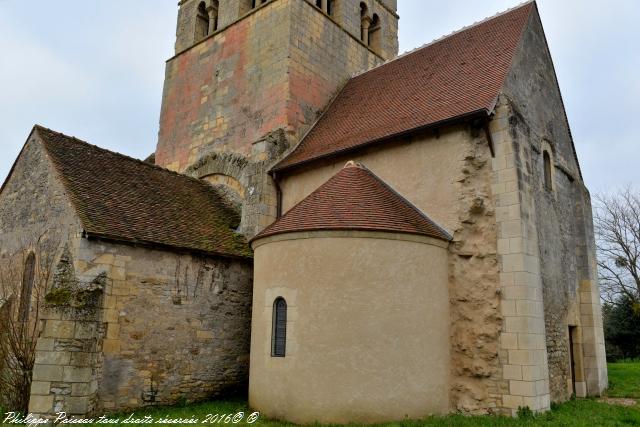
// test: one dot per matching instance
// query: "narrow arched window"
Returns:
(279, 328)
(324, 5)
(213, 16)
(28, 275)
(364, 24)
(202, 21)
(548, 179)
(330, 7)
(375, 35)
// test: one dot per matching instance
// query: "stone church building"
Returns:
(348, 234)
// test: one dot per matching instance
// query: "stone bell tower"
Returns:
(251, 76)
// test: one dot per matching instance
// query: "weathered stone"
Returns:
(47, 373)
(76, 405)
(75, 374)
(81, 359)
(40, 388)
(85, 330)
(204, 335)
(59, 329)
(52, 357)
(41, 404)
(81, 389)
(45, 344)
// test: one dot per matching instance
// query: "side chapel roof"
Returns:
(121, 198)
(355, 199)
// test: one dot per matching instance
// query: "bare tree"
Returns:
(617, 229)
(24, 278)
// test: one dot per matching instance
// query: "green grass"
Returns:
(580, 413)
(624, 380)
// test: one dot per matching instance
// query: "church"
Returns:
(343, 233)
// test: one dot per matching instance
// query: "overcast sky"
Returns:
(95, 69)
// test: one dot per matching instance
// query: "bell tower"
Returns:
(250, 77)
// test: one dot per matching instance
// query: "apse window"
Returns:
(279, 328)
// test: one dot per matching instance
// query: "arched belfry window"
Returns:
(213, 16)
(28, 276)
(202, 21)
(279, 328)
(548, 177)
(248, 5)
(365, 22)
(375, 35)
(325, 5)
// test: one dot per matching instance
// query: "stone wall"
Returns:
(523, 352)
(347, 15)
(225, 92)
(559, 218)
(177, 327)
(124, 327)
(476, 319)
(235, 102)
(252, 188)
(66, 370)
(34, 209)
(33, 203)
(233, 88)
(163, 328)
(36, 216)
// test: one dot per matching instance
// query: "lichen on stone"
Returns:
(58, 297)
(77, 295)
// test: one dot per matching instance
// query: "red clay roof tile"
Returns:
(122, 198)
(355, 199)
(457, 76)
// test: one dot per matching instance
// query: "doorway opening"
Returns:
(572, 358)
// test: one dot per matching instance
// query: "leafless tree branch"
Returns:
(20, 317)
(617, 229)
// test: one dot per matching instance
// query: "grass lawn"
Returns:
(585, 413)
(624, 382)
(624, 379)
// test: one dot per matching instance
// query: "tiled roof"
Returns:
(355, 199)
(458, 76)
(125, 199)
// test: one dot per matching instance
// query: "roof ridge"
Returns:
(443, 38)
(142, 162)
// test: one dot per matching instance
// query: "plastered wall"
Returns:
(448, 175)
(367, 327)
